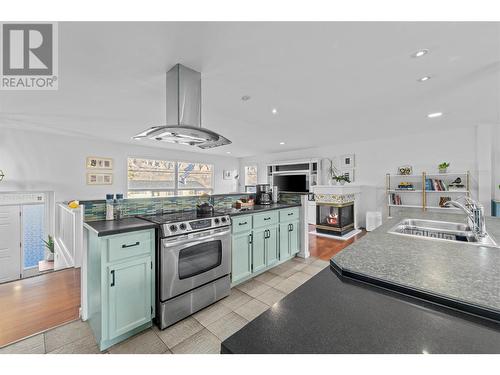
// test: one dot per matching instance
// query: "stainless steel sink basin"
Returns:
(442, 231)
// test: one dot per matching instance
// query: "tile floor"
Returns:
(197, 334)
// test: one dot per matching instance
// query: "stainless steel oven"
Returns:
(193, 263)
(192, 260)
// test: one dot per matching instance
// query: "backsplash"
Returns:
(96, 209)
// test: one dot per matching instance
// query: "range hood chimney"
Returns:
(184, 113)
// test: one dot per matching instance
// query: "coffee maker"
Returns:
(263, 194)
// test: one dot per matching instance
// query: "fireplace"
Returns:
(335, 219)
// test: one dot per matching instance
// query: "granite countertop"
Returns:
(260, 208)
(109, 227)
(457, 272)
(330, 315)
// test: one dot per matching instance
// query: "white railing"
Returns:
(68, 237)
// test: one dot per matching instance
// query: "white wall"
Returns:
(377, 157)
(40, 161)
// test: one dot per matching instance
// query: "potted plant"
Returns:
(342, 179)
(443, 167)
(49, 245)
(332, 173)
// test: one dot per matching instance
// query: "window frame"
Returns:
(176, 188)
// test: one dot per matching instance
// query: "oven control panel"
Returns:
(174, 229)
(201, 224)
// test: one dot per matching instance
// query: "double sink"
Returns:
(441, 231)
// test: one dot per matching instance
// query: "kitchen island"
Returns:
(461, 275)
(332, 313)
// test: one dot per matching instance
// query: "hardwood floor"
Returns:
(325, 247)
(38, 303)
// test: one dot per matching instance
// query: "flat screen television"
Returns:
(296, 183)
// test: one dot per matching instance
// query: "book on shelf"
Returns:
(396, 199)
(435, 184)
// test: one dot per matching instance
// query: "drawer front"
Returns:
(241, 223)
(265, 219)
(128, 245)
(289, 214)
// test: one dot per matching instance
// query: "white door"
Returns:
(10, 243)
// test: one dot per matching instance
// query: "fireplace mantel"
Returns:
(335, 194)
(337, 189)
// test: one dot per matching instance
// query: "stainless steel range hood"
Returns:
(184, 113)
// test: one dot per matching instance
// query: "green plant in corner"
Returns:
(49, 243)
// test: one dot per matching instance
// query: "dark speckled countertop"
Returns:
(458, 272)
(109, 227)
(330, 315)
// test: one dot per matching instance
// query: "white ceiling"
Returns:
(331, 82)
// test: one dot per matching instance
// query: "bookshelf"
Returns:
(425, 190)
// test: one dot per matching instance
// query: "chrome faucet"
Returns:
(475, 215)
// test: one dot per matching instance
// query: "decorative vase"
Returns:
(443, 170)
(334, 181)
(342, 182)
(49, 257)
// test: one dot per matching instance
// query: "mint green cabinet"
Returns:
(294, 238)
(120, 282)
(289, 239)
(259, 249)
(241, 256)
(285, 241)
(129, 295)
(272, 246)
(261, 241)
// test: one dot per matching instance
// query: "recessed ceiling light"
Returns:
(282, 143)
(424, 78)
(228, 152)
(245, 97)
(274, 111)
(435, 114)
(420, 53)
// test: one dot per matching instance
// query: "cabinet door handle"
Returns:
(291, 227)
(131, 245)
(112, 277)
(290, 214)
(267, 218)
(244, 223)
(250, 238)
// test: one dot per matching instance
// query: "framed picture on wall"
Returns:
(94, 162)
(347, 161)
(99, 178)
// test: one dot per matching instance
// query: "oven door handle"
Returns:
(194, 240)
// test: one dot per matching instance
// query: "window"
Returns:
(162, 178)
(250, 176)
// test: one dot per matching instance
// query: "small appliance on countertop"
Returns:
(193, 262)
(263, 194)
